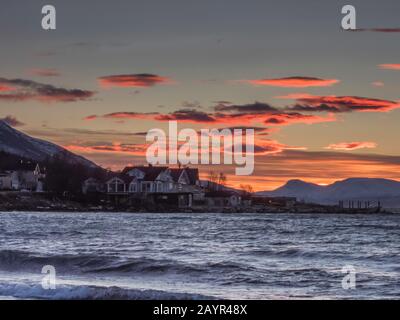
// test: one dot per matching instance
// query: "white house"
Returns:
(159, 185)
(5, 180)
(23, 176)
(223, 199)
(149, 179)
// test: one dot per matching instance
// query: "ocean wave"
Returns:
(87, 265)
(21, 261)
(146, 265)
(11, 260)
(66, 292)
(287, 253)
(227, 266)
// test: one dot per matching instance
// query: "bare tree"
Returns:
(246, 189)
(212, 177)
(222, 179)
(216, 180)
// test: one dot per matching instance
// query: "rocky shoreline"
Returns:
(28, 202)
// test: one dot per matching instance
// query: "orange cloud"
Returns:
(294, 82)
(317, 167)
(390, 66)
(274, 118)
(132, 149)
(4, 88)
(142, 80)
(91, 117)
(226, 114)
(294, 117)
(311, 103)
(348, 146)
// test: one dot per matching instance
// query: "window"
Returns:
(146, 187)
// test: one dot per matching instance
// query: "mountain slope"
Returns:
(364, 189)
(17, 143)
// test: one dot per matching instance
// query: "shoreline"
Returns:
(177, 211)
(37, 202)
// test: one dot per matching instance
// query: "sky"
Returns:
(324, 101)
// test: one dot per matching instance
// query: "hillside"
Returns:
(16, 143)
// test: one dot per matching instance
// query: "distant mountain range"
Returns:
(363, 189)
(20, 144)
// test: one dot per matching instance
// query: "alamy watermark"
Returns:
(49, 17)
(349, 20)
(49, 280)
(349, 280)
(207, 146)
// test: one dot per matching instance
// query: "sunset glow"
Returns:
(318, 115)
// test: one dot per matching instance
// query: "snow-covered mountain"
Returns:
(363, 189)
(17, 143)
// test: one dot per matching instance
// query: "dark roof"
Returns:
(127, 169)
(193, 175)
(176, 173)
(150, 173)
(22, 166)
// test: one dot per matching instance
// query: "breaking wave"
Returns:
(25, 291)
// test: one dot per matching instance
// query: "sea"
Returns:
(145, 256)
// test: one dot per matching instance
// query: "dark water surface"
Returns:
(174, 256)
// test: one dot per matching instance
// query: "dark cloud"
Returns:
(256, 129)
(262, 112)
(23, 90)
(256, 107)
(311, 103)
(187, 115)
(319, 108)
(142, 80)
(235, 115)
(131, 115)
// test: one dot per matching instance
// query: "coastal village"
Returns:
(134, 187)
(142, 189)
